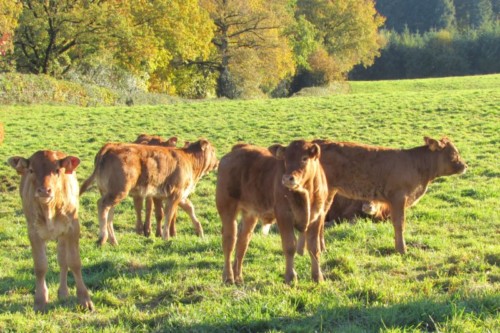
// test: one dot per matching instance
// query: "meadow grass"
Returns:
(448, 282)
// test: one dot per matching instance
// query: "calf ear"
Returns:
(187, 144)
(433, 144)
(278, 151)
(173, 141)
(70, 163)
(19, 163)
(314, 151)
(203, 144)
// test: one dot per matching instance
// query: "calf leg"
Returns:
(245, 233)
(188, 207)
(301, 243)
(159, 215)
(111, 229)
(146, 230)
(288, 243)
(138, 213)
(75, 264)
(170, 209)
(38, 250)
(398, 222)
(63, 291)
(227, 213)
(313, 234)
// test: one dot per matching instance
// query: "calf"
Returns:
(397, 177)
(142, 171)
(349, 209)
(152, 140)
(186, 204)
(283, 183)
(49, 194)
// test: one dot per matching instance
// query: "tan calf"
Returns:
(186, 204)
(397, 177)
(49, 193)
(142, 171)
(349, 209)
(283, 183)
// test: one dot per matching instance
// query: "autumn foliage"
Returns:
(191, 48)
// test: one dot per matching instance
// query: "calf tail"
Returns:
(97, 160)
(88, 182)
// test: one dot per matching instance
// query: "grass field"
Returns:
(448, 282)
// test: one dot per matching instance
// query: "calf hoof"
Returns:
(84, 301)
(238, 280)
(228, 280)
(86, 305)
(318, 278)
(291, 278)
(139, 229)
(101, 241)
(62, 293)
(158, 234)
(147, 232)
(40, 306)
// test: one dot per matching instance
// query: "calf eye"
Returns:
(31, 170)
(304, 159)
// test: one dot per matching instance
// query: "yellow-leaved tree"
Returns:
(252, 54)
(9, 13)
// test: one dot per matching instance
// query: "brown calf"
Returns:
(186, 204)
(397, 177)
(283, 183)
(349, 209)
(49, 193)
(152, 140)
(142, 171)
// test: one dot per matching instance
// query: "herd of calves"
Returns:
(292, 185)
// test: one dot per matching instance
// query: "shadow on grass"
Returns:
(424, 315)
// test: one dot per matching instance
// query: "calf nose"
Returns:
(44, 191)
(288, 180)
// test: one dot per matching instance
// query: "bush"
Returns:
(42, 89)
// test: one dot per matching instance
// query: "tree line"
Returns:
(436, 38)
(235, 48)
(191, 48)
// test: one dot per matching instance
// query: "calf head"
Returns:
(449, 161)
(207, 151)
(152, 140)
(44, 169)
(301, 160)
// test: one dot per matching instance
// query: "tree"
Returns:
(251, 53)
(9, 13)
(53, 34)
(347, 31)
(473, 13)
(149, 39)
(417, 15)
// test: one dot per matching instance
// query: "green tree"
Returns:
(473, 13)
(347, 31)
(417, 15)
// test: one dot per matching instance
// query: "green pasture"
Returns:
(448, 282)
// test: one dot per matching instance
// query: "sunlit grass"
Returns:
(449, 281)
